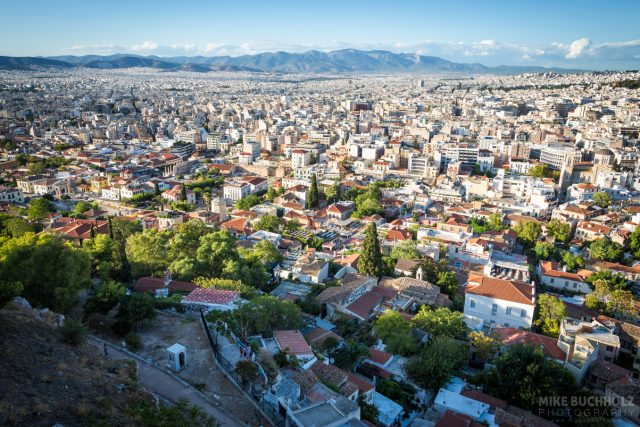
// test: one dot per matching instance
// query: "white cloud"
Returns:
(580, 53)
(577, 48)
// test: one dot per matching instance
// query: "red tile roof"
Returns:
(151, 284)
(506, 290)
(293, 342)
(364, 305)
(511, 336)
(453, 419)
(379, 357)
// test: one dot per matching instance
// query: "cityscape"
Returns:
(387, 230)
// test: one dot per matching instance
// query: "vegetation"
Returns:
(605, 249)
(551, 311)
(8, 291)
(107, 297)
(180, 414)
(370, 262)
(248, 202)
(395, 331)
(268, 223)
(528, 232)
(441, 322)
(559, 230)
(73, 332)
(38, 209)
(50, 269)
(484, 346)
(134, 309)
(247, 371)
(432, 368)
(313, 194)
(602, 199)
(523, 374)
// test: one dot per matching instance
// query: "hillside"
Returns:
(44, 381)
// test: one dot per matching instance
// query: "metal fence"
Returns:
(268, 410)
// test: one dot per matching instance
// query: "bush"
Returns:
(73, 332)
(133, 341)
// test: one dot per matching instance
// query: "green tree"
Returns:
(634, 243)
(602, 199)
(333, 192)
(370, 262)
(528, 232)
(432, 368)
(551, 311)
(447, 282)
(313, 194)
(523, 374)
(82, 206)
(310, 304)
(147, 252)
(265, 314)
(559, 230)
(606, 250)
(349, 355)
(8, 291)
(266, 252)
(405, 250)
(440, 322)
(38, 209)
(136, 308)
(108, 295)
(51, 270)
(545, 250)
(246, 292)
(100, 249)
(12, 226)
(247, 371)
(248, 202)
(483, 345)
(268, 223)
(613, 281)
(390, 323)
(183, 193)
(217, 250)
(540, 170)
(156, 188)
(572, 262)
(494, 222)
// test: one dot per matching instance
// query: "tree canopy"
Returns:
(551, 311)
(440, 322)
(434, 365)
(606, 250)
(528, 232)
(602, 199)
(50, 269)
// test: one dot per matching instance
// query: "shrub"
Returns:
(133, 341)
(73, 332)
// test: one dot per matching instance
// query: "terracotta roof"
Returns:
(379, 357)
(362, 384)
(453, 419)
(506, 290)
(211, 296)
(551, 269)
(364, 305)
(511, 336)
(151, 284)
(318, 336)
(293, 342)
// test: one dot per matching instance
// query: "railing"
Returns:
(267, 410)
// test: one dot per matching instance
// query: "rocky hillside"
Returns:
(45, 382)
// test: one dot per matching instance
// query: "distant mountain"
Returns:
(313, 61)
(28, 63)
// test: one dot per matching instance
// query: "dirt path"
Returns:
(167, 387)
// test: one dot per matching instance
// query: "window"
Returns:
(523, 313)
(609, 348)
(494, 309)
(472, 303)
(566, 283)
(508, 311)
(575, 285)
(552, 280)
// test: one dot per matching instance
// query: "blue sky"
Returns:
(588, 34)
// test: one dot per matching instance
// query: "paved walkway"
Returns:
(159, 382)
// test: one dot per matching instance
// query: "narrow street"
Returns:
(159, 382)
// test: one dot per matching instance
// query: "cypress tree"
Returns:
(313, 195)
(156, 188)
(183, 193)
(370, 262)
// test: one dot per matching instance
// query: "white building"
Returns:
(234, 192)
(499, 302)
(300, 158)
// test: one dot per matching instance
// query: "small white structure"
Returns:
(177, 357)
